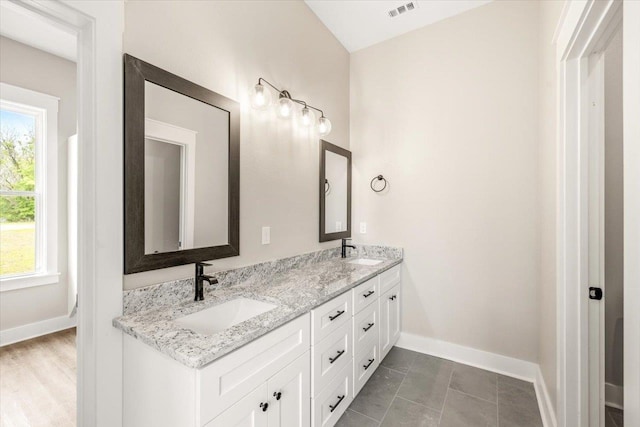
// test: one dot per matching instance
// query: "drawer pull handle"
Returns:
(368, 364)
(264, 406)
(392, 297)
(333, 407)
(335, 316)
(368, 294)
(333, 359)
(277, 395)
(368, 327)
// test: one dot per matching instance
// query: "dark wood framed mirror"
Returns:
(181, 170)
(335, 192)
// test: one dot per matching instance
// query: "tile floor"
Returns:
(613, 417)
(412, 389)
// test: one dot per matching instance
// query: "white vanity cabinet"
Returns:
(305, 373)
(282, 401)
(331, 360)
(390, 319)
(159, 391)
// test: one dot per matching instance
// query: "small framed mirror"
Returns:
(335, 192)
(182, 170)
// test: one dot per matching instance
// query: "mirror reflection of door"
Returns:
(336, 167)
(169, 165)
(163, 164)
(186, 195)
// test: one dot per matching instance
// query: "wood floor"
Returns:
(38, 382)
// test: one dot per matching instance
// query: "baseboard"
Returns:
(498, 363)
(544, 401)
(33, 330)
(614, 395)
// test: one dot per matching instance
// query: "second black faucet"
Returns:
(345, 246)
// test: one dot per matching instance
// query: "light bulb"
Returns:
(324, 126)
(260, 97)
(307, 117)
(285, 108)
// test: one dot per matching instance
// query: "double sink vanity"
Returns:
(288, 342)
(287, 349)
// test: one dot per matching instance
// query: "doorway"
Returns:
(38, 218)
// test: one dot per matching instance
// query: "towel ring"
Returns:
(327, 186)
(378, 178)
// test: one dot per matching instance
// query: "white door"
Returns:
(596, 239)
(250, 411)
(389, 319)
(289, 395)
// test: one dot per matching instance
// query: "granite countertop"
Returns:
(295, 292)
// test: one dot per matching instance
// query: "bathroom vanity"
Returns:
(320, 332)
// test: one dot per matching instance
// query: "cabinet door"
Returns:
(389, 319)
(249, 411)
(289, 395)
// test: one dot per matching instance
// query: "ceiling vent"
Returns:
(402, 9)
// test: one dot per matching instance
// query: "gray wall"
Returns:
(449, 115)
(24, 66)
(614, 233)
(226, 46)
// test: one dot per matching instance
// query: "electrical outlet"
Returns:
(363, 228)
(266, 235)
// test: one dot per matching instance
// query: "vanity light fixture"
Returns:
(261, 100)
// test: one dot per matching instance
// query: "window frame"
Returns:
(45, 107)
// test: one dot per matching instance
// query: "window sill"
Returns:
(22, 282)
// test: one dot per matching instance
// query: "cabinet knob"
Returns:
(277, 395)
(264, 406)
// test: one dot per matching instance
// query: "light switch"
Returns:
(363, 228)
(338, 225)
(266, 235)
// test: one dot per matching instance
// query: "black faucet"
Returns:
(345, 246)
(200, 278)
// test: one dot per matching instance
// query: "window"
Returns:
(28, 188)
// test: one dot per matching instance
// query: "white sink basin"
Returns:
(222, 316)
(365, 261)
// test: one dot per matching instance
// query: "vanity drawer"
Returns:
(330, 356)
(227, 380)
(365, 294)
(366, 327)
(390, 278)
(364, 364)
(330, 316)
(330, 404)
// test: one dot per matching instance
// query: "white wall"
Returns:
(550, 12)
(30, 68)
(225, 47)
(614, 205)
(449, 114)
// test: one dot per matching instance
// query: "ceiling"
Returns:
(361, 23)
(26, 27)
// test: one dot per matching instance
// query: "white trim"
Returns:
(498, 363)
(99, 27)
(544, 400)
(505, 365)
(614, 395)
(45, 108)
(631, 112)
(37, 329)
(585, 25)
(28, 281)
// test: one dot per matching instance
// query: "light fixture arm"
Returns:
(285, 94)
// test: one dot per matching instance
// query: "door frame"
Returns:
(585, 29)
(99, 28)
